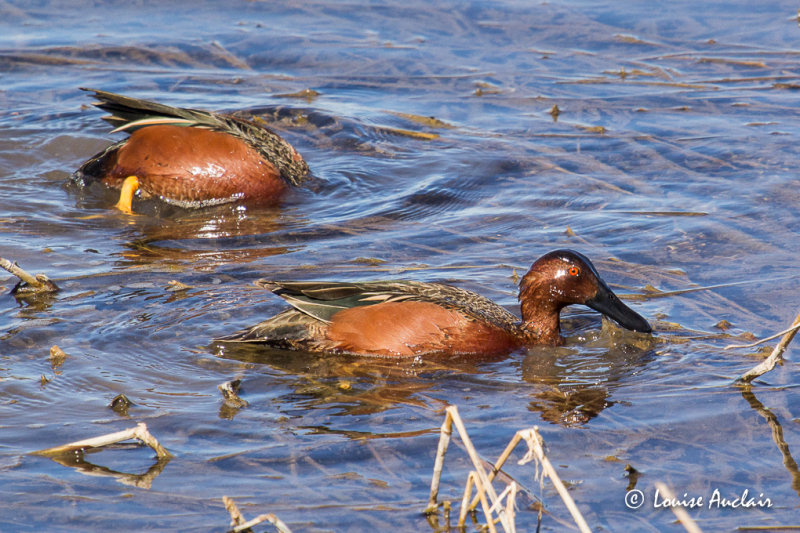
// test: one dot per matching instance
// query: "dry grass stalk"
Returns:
(510, 496)
(444, 442)
(37, 283)
(474, 479)
(271, 518)
(237, 518)
(139, 432)
(776, 356)
(483, 481)
(465, 506)
(500, 462)
(683, 517)
(241, 525)
(480, 478)
(536, 451)
(533, 439)
(762, 341)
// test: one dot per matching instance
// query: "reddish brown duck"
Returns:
(407, 318)
(190, 158)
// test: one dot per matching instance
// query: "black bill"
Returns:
(606, 302)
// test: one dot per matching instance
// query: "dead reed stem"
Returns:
(482, 482)
(16, 270)
(462, 514)
(681, 514)
(473, 455)
(499, 464)
(37, 283)
(444, 442)
(776, 356)
(139, 432)
(535, 450)
(478, 476)
(765, 339)
(240, 524)
(481, 490)
(237, 518)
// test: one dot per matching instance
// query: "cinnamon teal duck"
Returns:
(408, 318)
(190, 158)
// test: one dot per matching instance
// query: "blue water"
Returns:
(672, 164)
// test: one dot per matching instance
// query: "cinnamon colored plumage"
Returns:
(408, 318)
(191, 158)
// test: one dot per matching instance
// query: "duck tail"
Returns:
(129, 114)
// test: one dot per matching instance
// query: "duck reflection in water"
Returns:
(220, 235)
(565, 386)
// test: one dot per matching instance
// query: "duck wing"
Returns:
(322, 300)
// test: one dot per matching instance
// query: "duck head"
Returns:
(565, 277)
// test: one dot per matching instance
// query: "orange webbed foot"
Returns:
(129, 188)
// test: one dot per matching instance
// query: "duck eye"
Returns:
(573, 271)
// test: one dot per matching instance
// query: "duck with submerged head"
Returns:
(190, 158)
(407, 318)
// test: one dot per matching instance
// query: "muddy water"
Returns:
(672, 163)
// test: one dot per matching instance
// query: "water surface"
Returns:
(671, 163)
